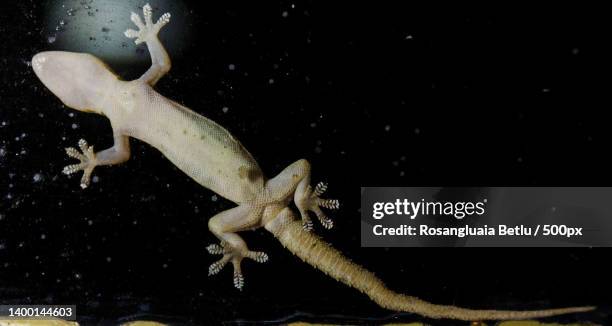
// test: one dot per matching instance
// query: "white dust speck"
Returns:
(271, 81)
(95, 179)
(37, 177)
(214, 198)
(285, 14)
(51, 39)
(231, 67)
(387, 127)
(225, 109)
(43, 236)
(74, 126)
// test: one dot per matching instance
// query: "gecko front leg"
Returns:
(147, 32)
(119, 153)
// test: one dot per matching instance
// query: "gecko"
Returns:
(213, 158)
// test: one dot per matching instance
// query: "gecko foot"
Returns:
(312, 202)
(148, 28)
(235, 256)
(88, 162)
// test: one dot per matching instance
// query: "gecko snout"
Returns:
(38, 61)
(47, 67)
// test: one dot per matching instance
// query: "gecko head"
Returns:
(79, 80)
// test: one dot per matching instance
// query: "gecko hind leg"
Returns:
(307, 199)
(229, 254)
(233, 248)
(294, 181)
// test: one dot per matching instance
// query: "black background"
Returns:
(371, 94)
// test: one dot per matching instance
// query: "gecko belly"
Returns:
(198, 146)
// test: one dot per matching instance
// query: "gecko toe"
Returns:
(215, 249)
(147, 12)
(238, 280)
(217, 266)
(320, 189)
(219, 249)
(163, 20)
(306, 224)
(325, 221)
(130, 33)
(72, 168)
(328, 203)
(74, 153)
(258, 256)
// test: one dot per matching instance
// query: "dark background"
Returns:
(371, 94)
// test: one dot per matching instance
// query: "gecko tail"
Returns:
(311, 249)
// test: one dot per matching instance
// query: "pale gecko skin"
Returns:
(211, 156)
